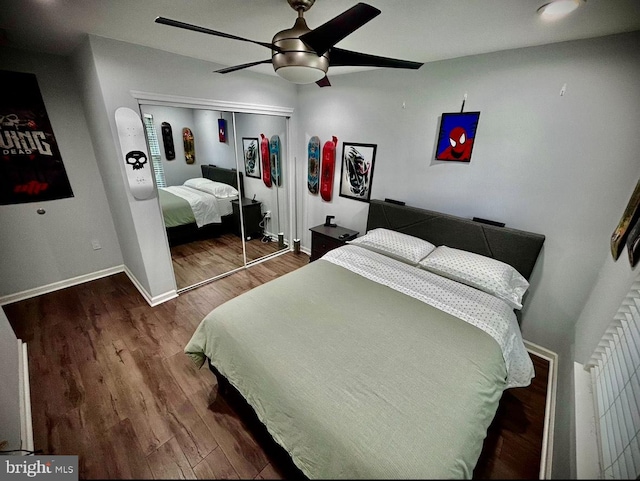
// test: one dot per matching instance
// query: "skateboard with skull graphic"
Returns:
(134, 152)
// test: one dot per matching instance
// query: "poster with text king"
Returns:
(31, 168)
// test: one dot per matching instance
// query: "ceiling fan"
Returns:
(302, 55)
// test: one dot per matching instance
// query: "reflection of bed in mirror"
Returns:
(202, 207)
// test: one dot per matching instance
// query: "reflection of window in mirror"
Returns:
(154, 150)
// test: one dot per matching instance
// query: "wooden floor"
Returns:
(110, 383)
(204, 259)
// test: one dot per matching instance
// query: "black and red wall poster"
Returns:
(31, 168)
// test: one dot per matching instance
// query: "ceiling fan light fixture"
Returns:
(558, 9)
(299, 74)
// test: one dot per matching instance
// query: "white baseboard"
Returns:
(26, 425)
(546, 460)
(587, 455)
(38, 291)
(152, 301)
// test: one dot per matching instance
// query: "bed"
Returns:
(387, 357)
(199, 209)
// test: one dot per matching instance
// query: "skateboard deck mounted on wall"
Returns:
(189, 147)
(328, 168)
(274, 149)
(167, 140)
(133, 146)
(314, 165)
(265, 158)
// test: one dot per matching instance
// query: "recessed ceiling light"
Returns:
(558, 9)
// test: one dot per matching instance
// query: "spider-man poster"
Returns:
(31, 168)
(457, 136)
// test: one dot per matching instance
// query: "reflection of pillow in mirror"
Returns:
(484, 273)
(218, 189)
(402, 247)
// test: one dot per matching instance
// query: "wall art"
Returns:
(251, 157)
(357, 170)
(31, 167)
(457, 136)
(630, 217)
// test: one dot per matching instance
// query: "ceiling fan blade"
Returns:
(343, 58)
(324, 82)
(326, 36)
(240, 67)
(195, 28)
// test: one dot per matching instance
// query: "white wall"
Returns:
(38, 250)
(562, 166)
(209, 148)
(9, 394)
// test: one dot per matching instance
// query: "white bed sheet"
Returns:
(207, 208)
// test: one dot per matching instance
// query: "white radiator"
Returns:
(616, 389)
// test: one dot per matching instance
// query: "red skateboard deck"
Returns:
(266, 162)
(328, 168)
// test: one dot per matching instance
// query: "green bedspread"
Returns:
(356, 380)
(175, 210)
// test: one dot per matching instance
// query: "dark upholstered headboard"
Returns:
(226, 176)
(517, 248)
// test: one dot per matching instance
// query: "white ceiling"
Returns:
(418, 30)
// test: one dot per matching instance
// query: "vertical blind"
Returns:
(616, 386)
(154, 150)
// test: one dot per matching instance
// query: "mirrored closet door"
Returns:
(261, 144)
(220, 214)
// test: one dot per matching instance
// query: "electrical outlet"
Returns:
(95, 244)
(267, 214)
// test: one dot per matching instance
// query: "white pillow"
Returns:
(488, 275)
(218, 189)
(394, 244)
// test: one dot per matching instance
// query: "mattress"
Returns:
(361, 366)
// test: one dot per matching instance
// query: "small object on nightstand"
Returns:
(325, 238)
(328, 221)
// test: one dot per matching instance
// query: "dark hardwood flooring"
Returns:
(110, 383)
(204, 259)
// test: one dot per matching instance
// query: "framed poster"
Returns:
(251, 157)
(357, 170)
(630, 217)
(31, 167)
(633, 243)
(457, 136)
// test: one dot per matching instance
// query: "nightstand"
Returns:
(324, 238)
(252, 214)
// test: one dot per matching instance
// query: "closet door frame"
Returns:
(151, 98)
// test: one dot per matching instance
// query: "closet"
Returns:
(257, 223)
